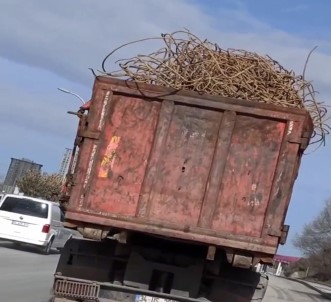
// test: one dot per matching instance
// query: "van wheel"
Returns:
(17, 245)
(47, 249)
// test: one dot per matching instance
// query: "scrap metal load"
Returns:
(186, 62)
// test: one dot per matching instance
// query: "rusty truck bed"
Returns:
(184, 165)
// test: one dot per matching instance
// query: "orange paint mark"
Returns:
(108, 160)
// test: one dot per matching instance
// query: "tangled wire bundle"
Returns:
(193, 64)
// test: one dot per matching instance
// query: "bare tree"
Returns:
(315, 242)
(41, 185)
(299, 266)
(316, 235)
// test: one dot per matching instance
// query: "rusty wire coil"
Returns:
(189, 63)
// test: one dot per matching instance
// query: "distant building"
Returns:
(279, 264)
(65, 163)
(16, 170)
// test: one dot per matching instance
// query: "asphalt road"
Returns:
(280, 289)
(26, 276)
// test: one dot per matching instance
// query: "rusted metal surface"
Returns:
(179, 164)
(242, 261)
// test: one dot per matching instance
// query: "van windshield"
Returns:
(25, 206)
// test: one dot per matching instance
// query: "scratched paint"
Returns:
(254, 201)
(290, 127)
(103, 110)
(109, 158)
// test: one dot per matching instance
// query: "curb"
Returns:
(323, 294)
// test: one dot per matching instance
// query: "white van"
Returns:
(33, 221)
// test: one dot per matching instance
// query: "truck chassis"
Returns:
(147, 268)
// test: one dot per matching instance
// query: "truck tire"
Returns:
(17, 245)
(247, 287)
(261, 288)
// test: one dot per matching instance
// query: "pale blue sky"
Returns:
(48, 44)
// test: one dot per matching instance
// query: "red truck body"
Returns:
(185, 165)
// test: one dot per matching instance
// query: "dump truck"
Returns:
(178, 194)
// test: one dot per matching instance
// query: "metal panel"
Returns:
(249, 172)
(179, 176)
(181, 164)
(122, 156)
(80, 290)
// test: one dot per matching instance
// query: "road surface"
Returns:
(322, 287)
(280, 289)
(26, 276)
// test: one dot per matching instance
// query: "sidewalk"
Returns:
(322, 289)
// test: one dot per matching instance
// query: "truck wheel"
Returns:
(247, 287)
(261, 288)
(45, 250)
(17, 245)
